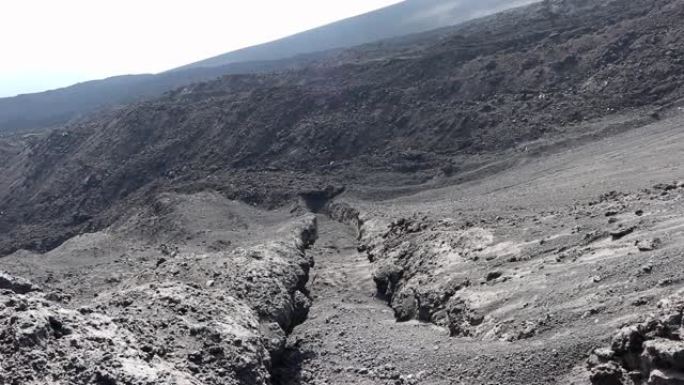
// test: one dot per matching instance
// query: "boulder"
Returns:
(16, 284)
(607, 374)
(665, 377)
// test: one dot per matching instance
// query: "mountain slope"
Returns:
(52, 108)
(33, 112)
(408, 17)
(412, 116)
(503, 191)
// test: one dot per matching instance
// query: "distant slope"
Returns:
(52, 108)
(408, 17)
(501, 85)
(37, 111)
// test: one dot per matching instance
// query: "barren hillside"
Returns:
(41, 111)
(492, 204)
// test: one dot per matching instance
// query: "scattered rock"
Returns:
(648, 245)
(621, 232)
(492, 275)
(607, 374)
(651, 351)
(16, 284)
(665, 377)
(667, 186)
(641, 301)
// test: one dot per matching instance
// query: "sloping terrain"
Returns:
(444, 110)
(405, 18)
(511, 279)
(493, 206)
(39, 111)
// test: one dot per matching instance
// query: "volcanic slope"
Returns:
(441, 110)
(535, 267)
(528, 271)
(40, 111)
(481, 220)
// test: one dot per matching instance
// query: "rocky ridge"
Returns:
(648, 353)
(223, 321)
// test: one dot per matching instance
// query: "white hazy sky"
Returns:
(53, 43)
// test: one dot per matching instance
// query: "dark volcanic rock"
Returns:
(651, 352)
(410, 114)
(408, 264)
(165, 328)
(16, 284)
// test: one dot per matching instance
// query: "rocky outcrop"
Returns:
(345, 213)
(173, 324)
(648, 353)
(16, 284)
(402, 277)
(416, 269)
(156, 334)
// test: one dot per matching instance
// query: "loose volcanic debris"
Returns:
(171, 331)
(158, 334)
(411, 275)
(648, 353)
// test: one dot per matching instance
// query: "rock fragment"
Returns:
(621, 232)
(648, 353)
(16, 284)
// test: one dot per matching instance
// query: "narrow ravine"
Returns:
(350, 336)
